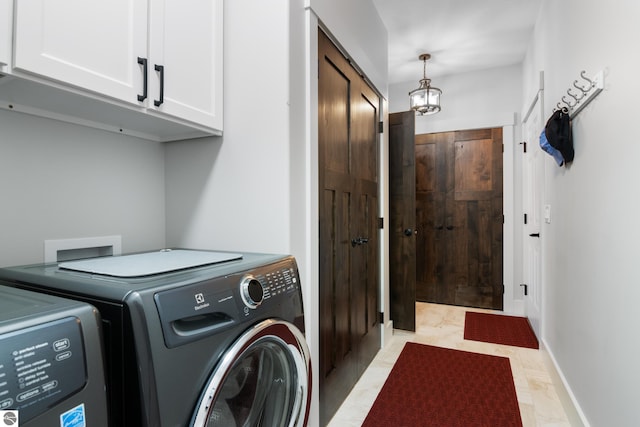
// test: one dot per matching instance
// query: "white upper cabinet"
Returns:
(160, 57)
(186, 40)
(91, 44)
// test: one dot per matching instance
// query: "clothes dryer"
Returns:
(193, 338)
(51, 365)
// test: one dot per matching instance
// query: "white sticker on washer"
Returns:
(73, 417)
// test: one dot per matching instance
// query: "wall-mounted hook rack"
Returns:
(588, 90)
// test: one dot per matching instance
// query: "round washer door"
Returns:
(264, 379)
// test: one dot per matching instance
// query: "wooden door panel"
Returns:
(335, 90)
(364, 175)
(366, 294)
(373, 317)
(478, 291)
(338, 361)
(327, 249)
(364, 160)
(461, 263)
(342, 279)
(348, 179)
(473, 169)
(426, 167)
(431, 216)
(335, 289)
(402, 217)
(428, 269)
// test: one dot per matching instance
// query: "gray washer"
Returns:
(51, 361)
(186, 346)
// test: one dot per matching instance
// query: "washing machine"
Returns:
(51, 362)
(193, 338)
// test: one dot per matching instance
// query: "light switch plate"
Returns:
(547, 214)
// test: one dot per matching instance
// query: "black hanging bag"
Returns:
(558, 131)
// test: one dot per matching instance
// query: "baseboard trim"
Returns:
(386, 333)
(567, 398)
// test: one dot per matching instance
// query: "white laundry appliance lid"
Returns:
(149, 263)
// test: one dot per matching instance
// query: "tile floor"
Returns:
(443, 326)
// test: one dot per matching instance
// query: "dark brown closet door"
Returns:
(348, 177)
(459, 214)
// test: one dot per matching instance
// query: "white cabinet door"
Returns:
(90, 44)
(186, 41)
(6, 26)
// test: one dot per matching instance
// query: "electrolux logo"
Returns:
(9, 418)
(200, 302)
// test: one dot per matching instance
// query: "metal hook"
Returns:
(564, 108)
(583, 90)
(591, 82)
(560, 107)
(568, 103)
(573, 96)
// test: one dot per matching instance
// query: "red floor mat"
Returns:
(433, 386)
(499, 329)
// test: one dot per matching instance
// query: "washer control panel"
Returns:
(41, 366)
(260, 287)
(192, 312)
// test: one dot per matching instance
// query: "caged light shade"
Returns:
(426, 99)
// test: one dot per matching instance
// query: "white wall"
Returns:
(232, 192)
(61, 181)
(590, 258)
(475, 100)
(482, 99)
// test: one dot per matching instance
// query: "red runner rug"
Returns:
(440, 387)
(499, 329)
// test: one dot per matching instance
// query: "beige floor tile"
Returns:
(443, 326)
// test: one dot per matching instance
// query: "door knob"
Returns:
(408, 232)
(359, 241)
(534, 235)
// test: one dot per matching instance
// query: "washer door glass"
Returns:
(262, 381)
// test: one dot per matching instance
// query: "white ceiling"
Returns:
(460, 35)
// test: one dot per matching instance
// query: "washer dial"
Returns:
(251, 291)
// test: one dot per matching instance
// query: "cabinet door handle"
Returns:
(160, 69)
(143, 62)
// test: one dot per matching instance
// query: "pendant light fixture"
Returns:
(426, 99)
